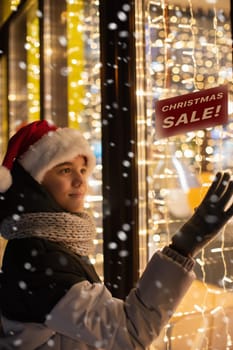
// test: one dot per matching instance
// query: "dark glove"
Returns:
(211, 215)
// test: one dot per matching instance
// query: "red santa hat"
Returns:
(41, 145)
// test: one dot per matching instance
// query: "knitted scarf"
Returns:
(75, 231)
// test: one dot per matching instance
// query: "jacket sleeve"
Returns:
(89, 313)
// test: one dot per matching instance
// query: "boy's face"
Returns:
(67, 183)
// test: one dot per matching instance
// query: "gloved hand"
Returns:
(211, 215)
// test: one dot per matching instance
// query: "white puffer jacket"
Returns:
(88, 317)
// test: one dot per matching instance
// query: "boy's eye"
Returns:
(83, 170)
(65, 170)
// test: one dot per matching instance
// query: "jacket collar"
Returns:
(25, 195)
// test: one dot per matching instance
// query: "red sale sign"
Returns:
(189, 112)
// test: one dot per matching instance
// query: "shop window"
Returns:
(182, 48)
(54, 74)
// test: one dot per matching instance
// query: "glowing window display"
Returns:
(184, 47)
(54, 74)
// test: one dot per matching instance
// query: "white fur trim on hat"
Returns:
(5, 179)
(54, 148)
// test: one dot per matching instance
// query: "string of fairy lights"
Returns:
(14, 4)
(188, 48)
(202, 149)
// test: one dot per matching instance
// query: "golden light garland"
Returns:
(14, 4)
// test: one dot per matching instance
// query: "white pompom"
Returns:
(5, 179)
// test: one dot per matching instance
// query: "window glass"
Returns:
(185, 47)
(54, 74)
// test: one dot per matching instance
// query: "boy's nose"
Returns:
(77, 179)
